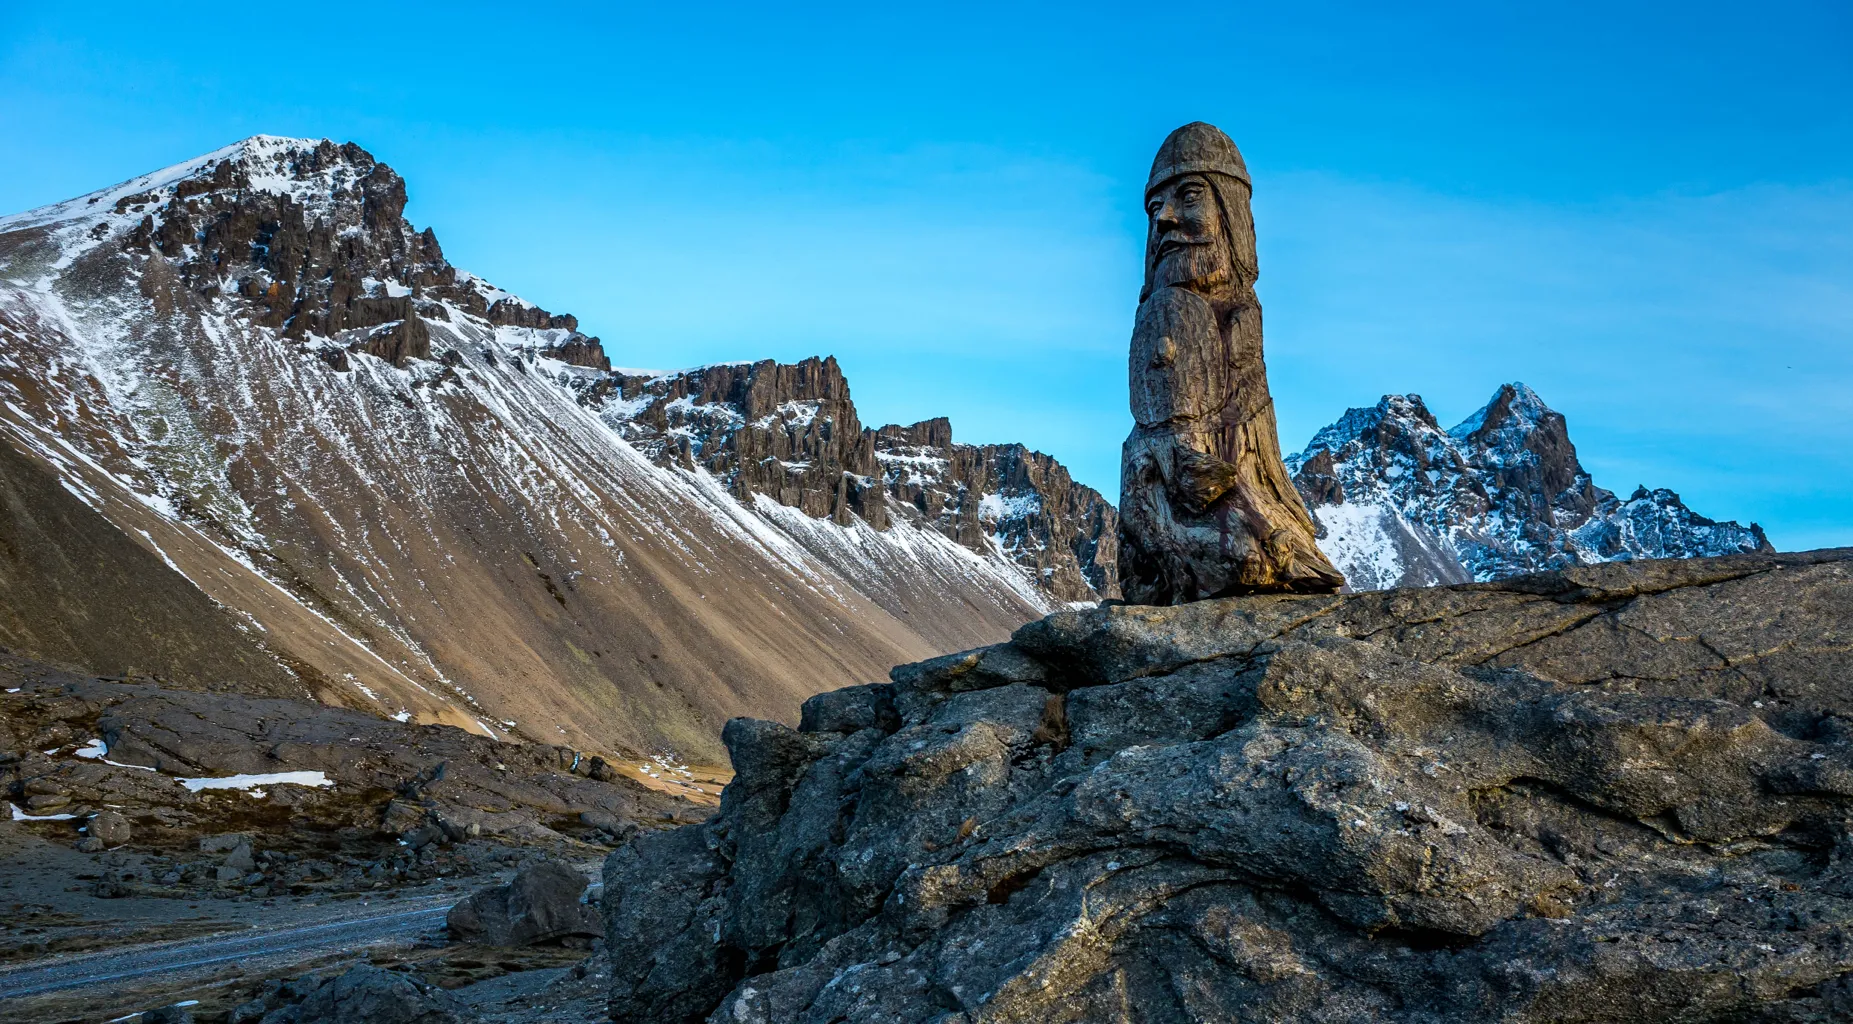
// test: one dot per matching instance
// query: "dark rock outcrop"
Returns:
(790, 432)
(1615, 792)
(365, 994)
(315, 239)
(77, 745)
(540, 904)
(1402, 502)
(579, 350)
(397, 342)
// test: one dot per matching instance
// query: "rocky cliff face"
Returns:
(417, 489)
(1610, 793)
(791, 434)
(1402, 502)
(314, 235)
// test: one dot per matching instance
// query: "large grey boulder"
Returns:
(666, 958)
(1614, 793)
(111, 828)
(541, 903)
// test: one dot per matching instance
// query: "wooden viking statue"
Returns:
(1206, 506)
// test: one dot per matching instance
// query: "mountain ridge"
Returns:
(1402, 502)
(766, 428)
(255, 368)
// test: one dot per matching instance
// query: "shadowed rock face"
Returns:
(1615, 792)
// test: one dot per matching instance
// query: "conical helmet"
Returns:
(1197, 148)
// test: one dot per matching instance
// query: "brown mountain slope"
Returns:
(74, 589)
(256, 368)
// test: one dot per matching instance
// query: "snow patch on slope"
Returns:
(904, 556)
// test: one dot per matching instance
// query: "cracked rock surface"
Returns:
(1618, 792)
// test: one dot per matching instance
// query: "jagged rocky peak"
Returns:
(787, 431)
(1531, 801)
(308, 238)
(312, 237)
(1402, 502)
(791, 433)
(1021, 502)
(1525, 445)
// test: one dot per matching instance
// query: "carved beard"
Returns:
(1204, 268)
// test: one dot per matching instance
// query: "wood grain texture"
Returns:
(1207, 508)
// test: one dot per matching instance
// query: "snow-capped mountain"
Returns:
(1402, 502)
(431, 499)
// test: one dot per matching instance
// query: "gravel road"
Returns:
(404, 921)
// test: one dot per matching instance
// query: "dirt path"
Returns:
(129, 969)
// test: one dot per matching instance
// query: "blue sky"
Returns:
(1643, 211)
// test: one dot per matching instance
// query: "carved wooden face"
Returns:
(1186, 242)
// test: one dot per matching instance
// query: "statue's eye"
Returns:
(1191, 195)
(1151, 208)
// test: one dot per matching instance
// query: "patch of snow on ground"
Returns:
(96, 750)
(19, 815)
(316, 779)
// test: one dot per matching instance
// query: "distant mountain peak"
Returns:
(1403, 503)
(1514, 407)
(301, 168)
